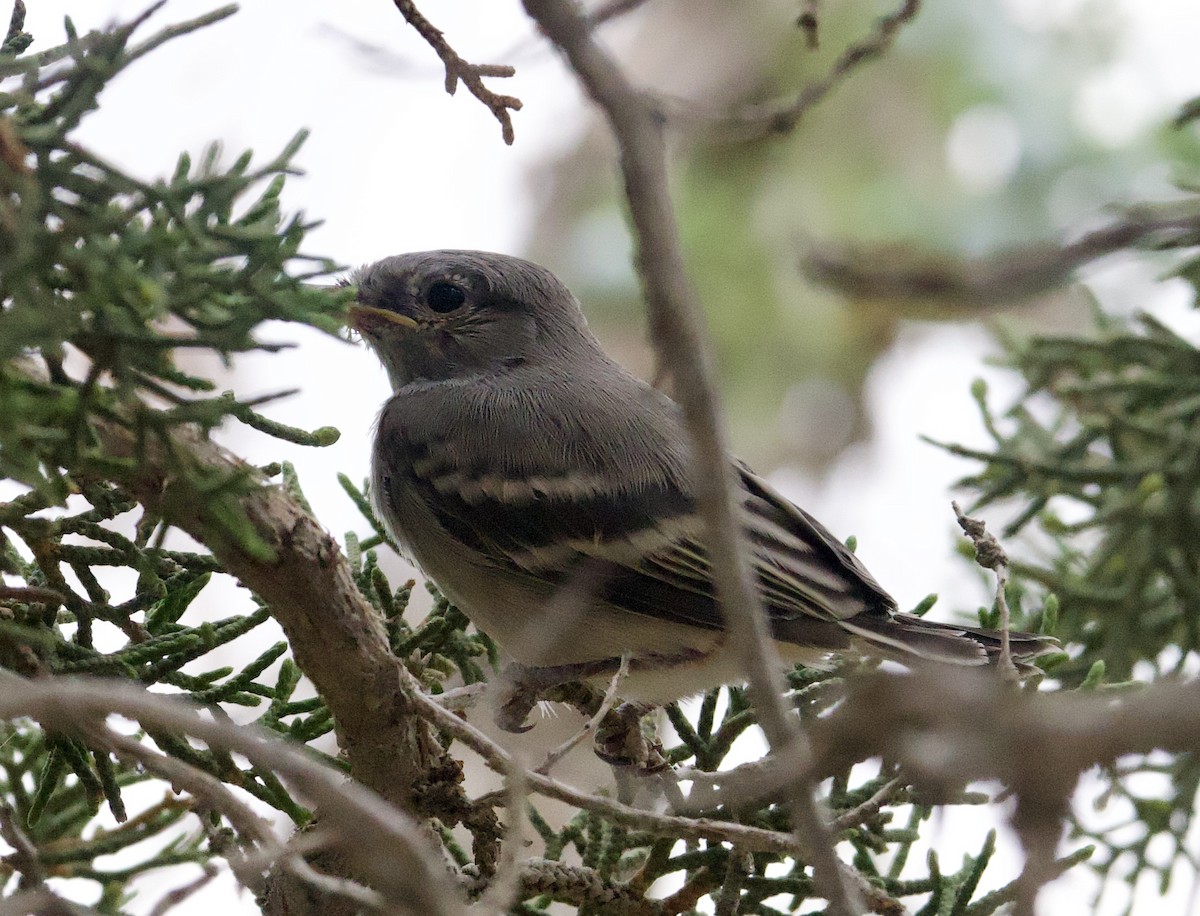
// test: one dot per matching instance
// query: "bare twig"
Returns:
(1007, 277)
(211, 791)
(610, 697)
(778, 117)
(990, 555)
(866, 810)
(175, 897)
(248, 868)
(765, 777)
(680, 342)
(460, 698)
(43, 902)
(810, 24)
(753, 839)
(314, 840)
(457, 69)
(947, 727)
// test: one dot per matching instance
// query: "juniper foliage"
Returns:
(1097, 461)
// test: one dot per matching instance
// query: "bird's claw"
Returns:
(513, 712)
(621, 742)
(526, 685)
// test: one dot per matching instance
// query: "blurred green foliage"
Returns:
(869, 165)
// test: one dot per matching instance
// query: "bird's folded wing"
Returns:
(644, 545)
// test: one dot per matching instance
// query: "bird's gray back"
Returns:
(539, 423)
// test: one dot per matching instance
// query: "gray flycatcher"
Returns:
(551, 495)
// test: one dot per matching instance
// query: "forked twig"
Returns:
(460, 70)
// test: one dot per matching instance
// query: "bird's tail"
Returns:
(905, 635)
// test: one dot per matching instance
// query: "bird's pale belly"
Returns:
(538, 627)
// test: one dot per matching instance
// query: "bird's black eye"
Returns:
(444, 297)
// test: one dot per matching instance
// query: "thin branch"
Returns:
(990, 555)
(313, 840)
(174, 898)
(753, 839)
(610, 697)
(947, 727)
(457, 69)
(1007, 277)
(745, 784)
(458, 699)
(204, 786)
(750, 122)
(179, 29)
(679, 339)
(866, 810)
(248, 868)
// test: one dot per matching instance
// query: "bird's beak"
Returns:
(369, 318)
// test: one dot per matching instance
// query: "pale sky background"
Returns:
(394, 164)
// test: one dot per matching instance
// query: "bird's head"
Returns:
(436, 315)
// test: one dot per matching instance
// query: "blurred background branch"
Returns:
(948, 287)
(753, 121)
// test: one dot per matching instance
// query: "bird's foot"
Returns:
(622, 741)
(526, 685)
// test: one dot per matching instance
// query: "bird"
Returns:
(551, 494)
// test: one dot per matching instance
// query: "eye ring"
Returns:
(444, 297)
